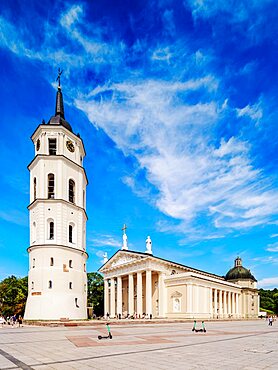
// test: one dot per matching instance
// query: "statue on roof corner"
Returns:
(149, 245)
(124, 247)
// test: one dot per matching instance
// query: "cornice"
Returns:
(56, 200)
(54, 157)
(62, 246)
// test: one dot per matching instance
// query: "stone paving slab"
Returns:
(226, 345)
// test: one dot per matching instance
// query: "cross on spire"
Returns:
(59, 77)
(124, 228)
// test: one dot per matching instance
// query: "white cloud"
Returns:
(15, 217)
(104, 241)
(268, 282)
(255, 112)
(173, 141)
(272, 247)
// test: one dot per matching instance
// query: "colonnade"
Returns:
(115, 286)
(224, 303)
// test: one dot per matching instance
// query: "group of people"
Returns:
(11, 320)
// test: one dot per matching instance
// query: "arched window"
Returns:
(51, 230)
(32, 286)
(34, 262)
(70, 233)
(70, 285)
(51, 261)
(35, 188)
(71, 190)
(70, 264)
(84, 267)
(50, 284)
(51, 185)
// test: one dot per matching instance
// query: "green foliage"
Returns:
(13, 295)
(269, 300)
(96, 292)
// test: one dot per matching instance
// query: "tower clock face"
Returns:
(70, 146)
(38, 144)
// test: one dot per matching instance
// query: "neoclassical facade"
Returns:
(141, 284)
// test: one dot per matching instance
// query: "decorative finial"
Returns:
(59, 77)
(149, 245)
(124, 247)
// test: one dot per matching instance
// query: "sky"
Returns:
(176, 102)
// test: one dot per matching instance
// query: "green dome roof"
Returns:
(239, 272)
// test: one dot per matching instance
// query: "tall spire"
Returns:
(59, 111)
(59, 117)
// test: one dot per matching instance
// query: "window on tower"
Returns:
(70, 263)
(70, 233)
(70, 285)
(50, 284)
(51, 185)
(51, 261)
(51, 230)
(71, 190)
(52, 145)
(35, 188)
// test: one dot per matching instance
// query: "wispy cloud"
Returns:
(268, 282)
(170, 119)
(15, 217)
(104, 241)
(272, 247)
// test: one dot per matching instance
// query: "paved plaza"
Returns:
(225, 345)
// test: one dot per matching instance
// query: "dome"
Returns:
(57, 120)
(238, 272)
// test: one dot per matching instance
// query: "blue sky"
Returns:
(176, 102)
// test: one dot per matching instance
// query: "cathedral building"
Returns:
(143, 285)
(57, 276)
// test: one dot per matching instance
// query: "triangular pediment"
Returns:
(122, 258)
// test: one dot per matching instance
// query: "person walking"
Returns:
(19, 321)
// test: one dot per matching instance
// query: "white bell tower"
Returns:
(57, 279)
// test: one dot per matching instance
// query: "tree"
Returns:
(96, 293)
(13, 295)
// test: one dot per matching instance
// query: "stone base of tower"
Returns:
(49, 307)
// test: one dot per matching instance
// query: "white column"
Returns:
(215, 303)
(220, 304)
(106, 297)
(139, 294)
(233, 304)
(236, 304)
(161, 295)
(225, 304)
(189, 289)
(130, 294)
(210, 303)
(112, 297)
(148, 293)
(229, 304)
(119, 296)
(196, 299)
